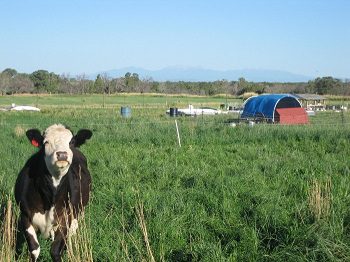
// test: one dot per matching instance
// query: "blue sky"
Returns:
(309, 37)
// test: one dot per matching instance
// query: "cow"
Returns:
(53, 187)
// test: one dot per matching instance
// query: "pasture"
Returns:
(267, 193)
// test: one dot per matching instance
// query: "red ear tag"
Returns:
(35, 143)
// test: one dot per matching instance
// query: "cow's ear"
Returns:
(81, 137)
(35, 137)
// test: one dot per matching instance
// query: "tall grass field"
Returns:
(243, 193)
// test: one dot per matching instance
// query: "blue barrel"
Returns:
(173, 112)
(125, 111)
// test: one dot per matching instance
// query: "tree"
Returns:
(98, 84)
(45, 81)
(155, 87)
(106, 84)
(131, 81)
(21, 83)
(4, 83)
(325, 85)
(245, 86)
(145, 85)
(9, 71)
(65, 85)
(82, 83)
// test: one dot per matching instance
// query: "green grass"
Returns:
(98, 100)
(228, 194)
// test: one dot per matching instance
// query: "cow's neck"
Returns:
(55, 184)
(57, 175)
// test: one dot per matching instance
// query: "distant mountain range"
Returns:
(199, 74)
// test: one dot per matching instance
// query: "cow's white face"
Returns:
(56, 143)
(58, 155)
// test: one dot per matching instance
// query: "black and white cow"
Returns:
(53, 187)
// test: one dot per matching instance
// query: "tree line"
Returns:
(43, 81)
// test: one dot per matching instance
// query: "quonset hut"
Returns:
(275, 108)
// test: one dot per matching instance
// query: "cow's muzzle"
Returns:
(61, 156)
(62, 159)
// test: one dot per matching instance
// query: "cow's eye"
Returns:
(46, 142)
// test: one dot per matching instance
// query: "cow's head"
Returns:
(58, 142)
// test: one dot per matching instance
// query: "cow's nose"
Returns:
(62, 156)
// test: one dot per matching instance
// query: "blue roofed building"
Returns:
(273, 108)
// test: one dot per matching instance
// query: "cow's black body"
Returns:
(36, 194)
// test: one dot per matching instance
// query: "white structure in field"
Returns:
(23, 108)
(191, 111)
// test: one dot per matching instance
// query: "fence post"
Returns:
(342, 113)
(178, 134)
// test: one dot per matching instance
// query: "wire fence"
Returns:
(331, 117)
(336, 119)
(109, 115)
